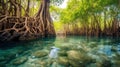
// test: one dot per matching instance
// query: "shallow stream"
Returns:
(75, 51)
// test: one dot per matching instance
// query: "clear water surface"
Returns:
(75, 51)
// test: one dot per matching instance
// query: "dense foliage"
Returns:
(91, 17)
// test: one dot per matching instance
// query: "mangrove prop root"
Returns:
(26, 28)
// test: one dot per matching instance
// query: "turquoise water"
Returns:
(75, 51)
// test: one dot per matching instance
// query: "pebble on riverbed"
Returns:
(78, 59)
(39, 53)
(19, 60)
(63, 61)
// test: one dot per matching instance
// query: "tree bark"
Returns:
(45, 19)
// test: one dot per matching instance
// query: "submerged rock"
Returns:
(63, 61)
(114, 49)
(39, 53)
(76, 63)
(97, 64)
(19, 60)
(92, 44)
(78, 59)
(65, 47)
(54, 64)
(39, 63)
(74, 55)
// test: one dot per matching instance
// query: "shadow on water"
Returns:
(7, 45)
(12, 44)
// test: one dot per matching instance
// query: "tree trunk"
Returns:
(45, 19)
(27, 9)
